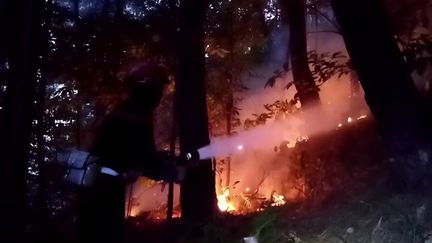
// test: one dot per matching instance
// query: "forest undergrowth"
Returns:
(348, 197)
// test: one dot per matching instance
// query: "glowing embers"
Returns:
(303, 138)
(361, 117)
(351, 120)
(293, 143)
(133, 212)
(278, 200)
(224, 203)
(249, 200)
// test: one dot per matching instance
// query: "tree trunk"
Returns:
(389, 89)
(119, 10)
(105, 9)
(258, 7)
(76, 8)
(198, 197)
(173, 141)
(230, 80)
(22, 27)
(78, 125)
(117, 40)
(40, 117)
(293, 12)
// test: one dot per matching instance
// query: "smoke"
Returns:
(336, 102)
(254, 163)
(265, 137)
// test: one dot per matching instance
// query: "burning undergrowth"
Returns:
(310, 170)
(319, 178)
(279, 155)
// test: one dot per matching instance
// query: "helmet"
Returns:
(145, 82)
(146, 74)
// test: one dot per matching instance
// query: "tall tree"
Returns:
(23, 23)
(389, 89)
(76, 7)
(119, 9)
(293, 13)
(198, 197)
(105, 8)
(40, 117)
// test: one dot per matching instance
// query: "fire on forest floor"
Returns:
(294, 187)
(378, 216)
(320, 166)
(353, 202)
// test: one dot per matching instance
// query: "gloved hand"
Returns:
(163, 167)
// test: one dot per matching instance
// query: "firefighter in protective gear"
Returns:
(124, 143)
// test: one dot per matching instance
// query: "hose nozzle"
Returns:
(189, 157)
(193, 155)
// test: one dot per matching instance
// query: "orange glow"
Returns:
(245, 195)
(278, 200)
(134, 212)
(224, 203)
(361, 117)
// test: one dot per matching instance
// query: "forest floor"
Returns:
(350, 199)
(377, 217)
(361, 206)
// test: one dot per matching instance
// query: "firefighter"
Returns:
(126, 149)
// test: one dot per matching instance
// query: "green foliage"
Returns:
(326, 65)
(233, 45)
(417, 52)
(277, 110)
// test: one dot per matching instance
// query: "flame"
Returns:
(250, 199)
(133, 212)
(224, 203)
(291, 145)
(303, 138)
(246, 202)
(278, 200)
(361, 117)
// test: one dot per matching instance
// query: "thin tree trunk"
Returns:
(230, 77)
(259, 6)
(78, 126)
(174, 129)
(198, 197)
(105, 9)
(294, 14)
(40, 117)
(119, 10)
(76, 8)
(389, 89)
(173, 140)
(229, 109)
(22, 27)
(117, 40)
